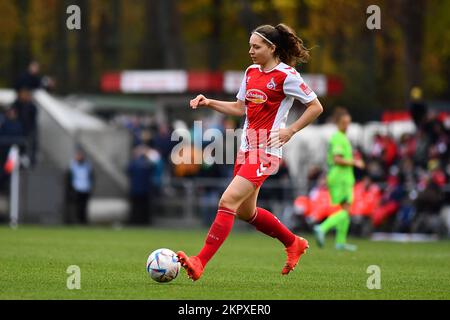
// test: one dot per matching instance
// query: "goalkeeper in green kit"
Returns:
(340, 181)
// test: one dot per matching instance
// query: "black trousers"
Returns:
(140, 210)
(81, 203)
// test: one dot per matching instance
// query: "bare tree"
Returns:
(22, 52)
(215, 58)
(108, 36)
(152, 53)
(248, 18)
(84, 70)
(170, 34)
(162, 46)
(412, 20)
(61, 51)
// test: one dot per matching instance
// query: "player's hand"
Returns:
(199, 101)
(279, 137)
(359, 164)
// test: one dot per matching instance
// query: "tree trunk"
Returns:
(162, 48)
(412, 20)
(303, 14)
(248, 18)
(115, 39)
(21, 52)
(152, 53)
(214, 39)
(84, 49)
(61, 69)
(177, 42)
(108, 37)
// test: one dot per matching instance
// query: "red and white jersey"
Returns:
(268, 97)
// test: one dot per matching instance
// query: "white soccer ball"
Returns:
(163, 265)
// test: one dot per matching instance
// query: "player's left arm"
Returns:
(312, 112)
(295, 87)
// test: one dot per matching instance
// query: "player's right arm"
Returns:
(340, 161)
(230, 108)
(236, 108)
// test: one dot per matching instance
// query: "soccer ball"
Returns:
(163, 265)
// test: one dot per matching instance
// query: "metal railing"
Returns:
(195, 200)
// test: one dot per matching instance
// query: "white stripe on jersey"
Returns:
(280, 122)
(244, 142)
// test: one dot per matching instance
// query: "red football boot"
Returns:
(193, 265)
(294, 252)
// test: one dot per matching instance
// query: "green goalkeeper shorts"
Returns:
(341, 193)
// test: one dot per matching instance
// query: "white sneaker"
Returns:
(346, 246)
(319, 235)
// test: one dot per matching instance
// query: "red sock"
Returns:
(219, 231)
(269, 224)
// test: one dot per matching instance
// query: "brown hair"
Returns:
(289, 47)
(338, 113)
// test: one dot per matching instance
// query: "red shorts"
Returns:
(256, 166)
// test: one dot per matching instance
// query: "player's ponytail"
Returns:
(291, 49)
(288, 46)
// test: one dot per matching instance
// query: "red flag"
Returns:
(12, 160)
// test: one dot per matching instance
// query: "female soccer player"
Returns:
(266, 94)
(341, 181)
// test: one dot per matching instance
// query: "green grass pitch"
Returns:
(34, 261)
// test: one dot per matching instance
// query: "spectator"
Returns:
(187, 160)
(377, 146)
(439, 141)
(384, 149)
(156, 179)
(409, 173)
(376, 171)
(390, 151)
(162, 141)
(11, 132)
(407, 146)
(139, 172)
(28, 113)
(391, 201)
(81, 184)
(33, 80)
(417, 107)
(422, 146)
(428, 205)
(134, 127)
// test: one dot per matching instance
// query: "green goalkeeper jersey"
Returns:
(337, 174)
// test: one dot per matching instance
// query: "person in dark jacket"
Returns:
(139, 172)
(11, 133)
(27, 113)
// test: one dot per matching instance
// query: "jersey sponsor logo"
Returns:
(272, 85)
(305, 89)
(256, 96)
